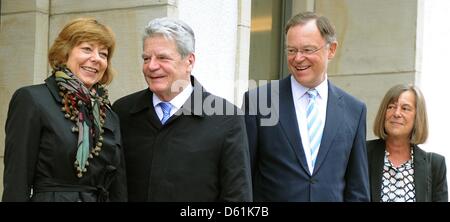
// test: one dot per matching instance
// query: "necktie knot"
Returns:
(312, 93)
(166, 107)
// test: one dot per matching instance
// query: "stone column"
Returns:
(28, 29)
(377, 47)
(127, 19)
(433, 36)
(23, 54)
(242, 50)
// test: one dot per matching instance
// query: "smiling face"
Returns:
(88, 61)
(400, 116)
(308, 70)
(163, 66)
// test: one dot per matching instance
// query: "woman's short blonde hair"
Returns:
(419, 133)
(78, 31)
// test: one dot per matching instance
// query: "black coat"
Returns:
(40, 151)
(195, 156)
(430, 173)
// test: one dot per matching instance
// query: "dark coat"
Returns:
(430, 178)
(279, 168)
(40, 151)
(195, 156)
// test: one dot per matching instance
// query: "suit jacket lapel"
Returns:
(288, 120)
(334, 117)
(376, 169)
(420, 174)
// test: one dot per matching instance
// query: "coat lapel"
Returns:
(288, 120)
(334, 117)
(145, 102)
(194, 104)
(376, 164)
(420, 174)
(50, 82)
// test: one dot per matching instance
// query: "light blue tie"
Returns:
(165, 107)
(314, 124)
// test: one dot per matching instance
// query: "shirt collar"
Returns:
(299, 91)
(178, 100)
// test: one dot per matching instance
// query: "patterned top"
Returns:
(397, 184)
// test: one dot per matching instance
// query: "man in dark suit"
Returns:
(181, 143)
(310, 144)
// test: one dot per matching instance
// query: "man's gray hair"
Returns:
(173, 29)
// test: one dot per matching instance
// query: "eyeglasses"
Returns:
(306, 51)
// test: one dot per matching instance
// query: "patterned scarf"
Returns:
(86, 108)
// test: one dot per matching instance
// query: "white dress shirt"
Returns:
(301, 100)
(176, 102)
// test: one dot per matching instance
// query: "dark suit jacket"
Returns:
(40, 151)
(279, 167)
(430, 178)
(196, 156)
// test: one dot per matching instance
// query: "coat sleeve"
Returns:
(118, 191)
(357, 174)
(23, 128)
(252, 129)
(235, 174)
